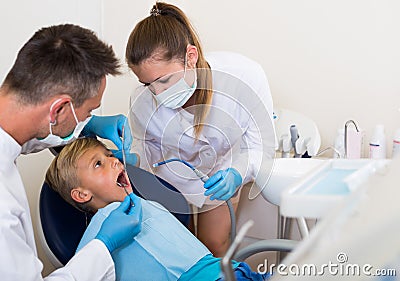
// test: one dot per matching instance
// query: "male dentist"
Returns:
(46, 100)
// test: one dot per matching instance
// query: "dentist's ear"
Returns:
(81, 195)
(57, 105)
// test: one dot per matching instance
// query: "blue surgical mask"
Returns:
(178, 94)
(54, 140)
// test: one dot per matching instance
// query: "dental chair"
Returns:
(61, 226)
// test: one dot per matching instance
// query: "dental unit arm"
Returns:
(203, 177)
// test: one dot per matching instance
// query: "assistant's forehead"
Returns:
(149, 70)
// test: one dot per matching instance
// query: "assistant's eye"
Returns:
(97, 164)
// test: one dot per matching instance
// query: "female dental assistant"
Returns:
(213, 111)
(58, 78)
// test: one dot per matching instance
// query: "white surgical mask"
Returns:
(178, 94)
(54, 140)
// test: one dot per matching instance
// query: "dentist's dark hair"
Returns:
(61, 59)
(165, 35)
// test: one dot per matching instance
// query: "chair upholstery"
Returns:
(62, 224)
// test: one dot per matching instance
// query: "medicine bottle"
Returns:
(377, 145)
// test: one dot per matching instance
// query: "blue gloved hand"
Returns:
(124, 223)
(131, 157)
(223, 184)
(110, 127)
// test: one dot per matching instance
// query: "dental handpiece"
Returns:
(203, 177)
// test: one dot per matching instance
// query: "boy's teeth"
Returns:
(121, 184)
(121, 180)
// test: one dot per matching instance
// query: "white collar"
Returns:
(9, 147)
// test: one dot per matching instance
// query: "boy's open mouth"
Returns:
(122, 180)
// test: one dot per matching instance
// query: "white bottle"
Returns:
(377, 145)
(339, 144)
(396, 144)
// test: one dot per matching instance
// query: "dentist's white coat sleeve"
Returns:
(19, 261)
(100, 266)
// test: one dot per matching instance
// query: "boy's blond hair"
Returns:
(62, 174)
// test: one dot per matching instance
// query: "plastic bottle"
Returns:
(339, 144)
(396, 144)
(377, 145)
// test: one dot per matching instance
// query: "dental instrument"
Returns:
(302, 144)
(203, 177)
(294, 134)
(123, 146)
(285, 145)
(123, 185)
(200, 174)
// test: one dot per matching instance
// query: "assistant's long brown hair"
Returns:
(167, 33)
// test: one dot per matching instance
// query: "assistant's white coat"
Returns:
(238, 131)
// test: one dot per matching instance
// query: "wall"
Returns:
(331, 60)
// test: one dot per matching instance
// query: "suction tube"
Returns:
(203, 177)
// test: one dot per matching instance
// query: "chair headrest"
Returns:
(62, 224)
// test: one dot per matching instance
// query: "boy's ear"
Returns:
(80, 195)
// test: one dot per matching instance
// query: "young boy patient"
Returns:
(89, 177)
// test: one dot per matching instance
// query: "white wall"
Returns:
(331, 60)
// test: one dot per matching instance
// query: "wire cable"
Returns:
(203, 177)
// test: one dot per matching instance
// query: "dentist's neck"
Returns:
(20, 121)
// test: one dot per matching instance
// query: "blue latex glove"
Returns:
(131, 158)
(223, 184)
(110, 127)
(124, 223)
